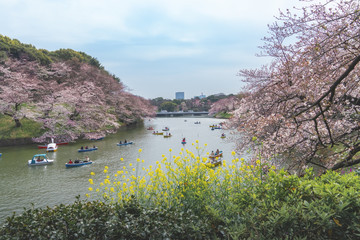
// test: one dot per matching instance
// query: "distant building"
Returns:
(201, 96)
(179, 95)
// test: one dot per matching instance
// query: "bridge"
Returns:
(179, 114)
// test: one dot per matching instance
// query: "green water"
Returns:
(54, 184)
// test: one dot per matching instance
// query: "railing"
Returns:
(176, 114)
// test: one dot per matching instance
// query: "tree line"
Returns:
(195, 104)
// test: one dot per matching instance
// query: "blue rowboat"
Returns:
(79, 164)
(123, 144)
(0, 154)
(87, 150)
(97, 139)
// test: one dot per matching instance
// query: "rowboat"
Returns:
(0, 154)
(222, 136)
(158, 133)
(150, 128)
(97, 139)
(39, 160)
(166, 129)
(214, 156)
(214, 163)
(45, 146)
(183, 142)
(77, 164)
(87, 150)
(167, 136)
(123, 144)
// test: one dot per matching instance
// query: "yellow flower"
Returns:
(92, 173)
(87, 195)
(106, 167)
(105, 171)
(121, 159)
(91, 181)
(170, 150)
(130, 164)
(197, 141)
(140, 150)
(90, 189)
(233, 153)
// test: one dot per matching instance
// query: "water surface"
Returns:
(54, 184)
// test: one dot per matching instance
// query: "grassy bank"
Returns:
(181, 197)
(28, 128)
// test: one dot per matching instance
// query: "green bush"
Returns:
(96, 220)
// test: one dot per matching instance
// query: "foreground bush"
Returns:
(185, 199)
(96, 220)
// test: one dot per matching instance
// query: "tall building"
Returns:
(179, 95)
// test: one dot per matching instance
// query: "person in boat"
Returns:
(70, 162)
(217, 152)
(38, 159)
(169, 134)
(87, 159)
(184, 140)
(223, 135)
(120, 142)
(86, 147)
(82, 148)
(125, 141)
(94, 146)
(212, 157)
(77, 161)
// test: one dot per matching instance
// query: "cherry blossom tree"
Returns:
(228, 104)
(303, 107)
(72, 99)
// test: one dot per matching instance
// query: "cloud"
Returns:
(161, 41)
(83, 21)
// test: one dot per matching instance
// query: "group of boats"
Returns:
(42, 159)
(165, 132)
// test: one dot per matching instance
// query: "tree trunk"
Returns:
(17, 122)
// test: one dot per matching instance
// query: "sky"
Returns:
(156, 47)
